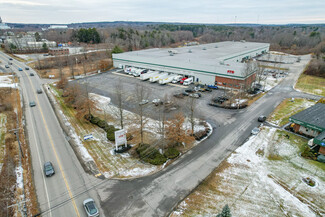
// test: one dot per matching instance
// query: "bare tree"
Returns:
(71, 62)
(141, 97)
(120, 99)
(191, 104)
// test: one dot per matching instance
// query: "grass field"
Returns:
(311, 84)
(287, 108)
(261, 178)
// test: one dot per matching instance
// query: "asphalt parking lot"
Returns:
(105, 84)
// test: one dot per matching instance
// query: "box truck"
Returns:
(157, 77)
(148, 75)
(168, 79)
(176, 79)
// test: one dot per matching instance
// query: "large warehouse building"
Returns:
(221, 63)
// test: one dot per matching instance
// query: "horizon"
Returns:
(221, 12)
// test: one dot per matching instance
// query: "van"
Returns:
(188, 81)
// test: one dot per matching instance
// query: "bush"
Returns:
(308, 153)
(95, 120)
(110, 132)
(150, 155)
(201, 134)
(171, 153)
(102, 124)
(129, 136)
(88, 117)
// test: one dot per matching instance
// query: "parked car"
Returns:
(261, 118)
(27, 68)
(190, 90)
(48, 169)
(32, 104)
(20, 69)
(157, 102)
(31, 74)
(10, 58)
(10, 63)
(213, 87)
(91, 208)
(39, 91)
(143, 102)
(195, 95)
(7, 66)
(255, 131)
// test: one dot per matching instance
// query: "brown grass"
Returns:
(12, 152)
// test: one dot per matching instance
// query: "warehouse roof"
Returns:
(200, 57)
(313, 117)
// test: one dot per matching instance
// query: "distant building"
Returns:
(3, 26)
(58, 27)
(59, 51)
(311, 122)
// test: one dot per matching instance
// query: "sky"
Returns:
(189, 11)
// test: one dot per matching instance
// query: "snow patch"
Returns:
(6, 81)
(19, 177)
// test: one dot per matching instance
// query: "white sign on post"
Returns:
(120, 138)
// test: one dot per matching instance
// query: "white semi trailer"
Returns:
(157, 77)
(147, 75)
(168, 79)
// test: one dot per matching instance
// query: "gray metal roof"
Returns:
(205, 57)
(314, 115)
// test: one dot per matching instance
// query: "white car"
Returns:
(90, 207)
(255, 131)
(143, 102)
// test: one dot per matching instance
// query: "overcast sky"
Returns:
(189, 11)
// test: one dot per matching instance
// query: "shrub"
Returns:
(308, 153)
(88, 117)
(150, 155)
(129, 136)
(110, 132)
(95, 120)
(102, 124)
(171, 153)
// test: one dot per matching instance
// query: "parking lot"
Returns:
(105, 84)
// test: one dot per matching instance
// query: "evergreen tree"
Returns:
(225, 212)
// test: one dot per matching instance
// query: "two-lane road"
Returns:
(63, 193)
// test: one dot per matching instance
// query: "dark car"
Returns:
(31, 74)
(190, 90)
(10, 63)
(32, 104)
(48, 169)
(27, 68)
(261, 118)
(90, 207)
(10, 58)
(213, 87)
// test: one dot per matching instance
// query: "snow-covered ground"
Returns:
(263, 177)
(7, 81)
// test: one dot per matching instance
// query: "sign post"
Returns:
(120, 138)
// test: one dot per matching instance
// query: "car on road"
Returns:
(10, 58)
(143, 102)
(31, 74)
(255, 131)
(39, 91)
(20, 69)
(7, 66)
(48, 169)
(213, 87)
(10, 63)
(32, 104)
(27, 68)
(261, 118)
(91, 208)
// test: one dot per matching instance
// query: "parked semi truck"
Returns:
(148, 75)
(157, 77)
(168, 79)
